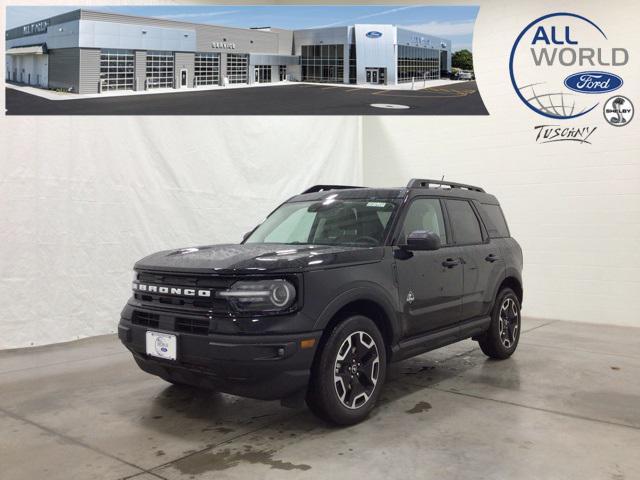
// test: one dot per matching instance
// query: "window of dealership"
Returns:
(418, 63)
(263, 73)
(322, 63)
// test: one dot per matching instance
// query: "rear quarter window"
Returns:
(464, 222)
(495, 221)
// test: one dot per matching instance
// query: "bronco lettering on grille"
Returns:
(186, 292)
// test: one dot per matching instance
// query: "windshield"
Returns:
(327, 222)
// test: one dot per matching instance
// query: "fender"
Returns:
(361, 291)
(510, 271)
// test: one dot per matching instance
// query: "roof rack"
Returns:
(426, 183)
(323, 188)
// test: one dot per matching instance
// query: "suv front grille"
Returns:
(212, 305)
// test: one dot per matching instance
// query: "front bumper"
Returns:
(266, 367)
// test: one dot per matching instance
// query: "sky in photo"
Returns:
(454, 23)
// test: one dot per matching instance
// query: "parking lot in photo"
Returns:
(296, 99)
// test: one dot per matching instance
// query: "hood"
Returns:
(258, 257)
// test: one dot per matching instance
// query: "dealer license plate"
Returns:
(163, 345)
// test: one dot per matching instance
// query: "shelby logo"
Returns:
(184, 292)
(618, 111)
(557, 133)
(544, 60)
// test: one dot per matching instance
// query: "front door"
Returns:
(372, 75)
(429, 282)
(183, 77)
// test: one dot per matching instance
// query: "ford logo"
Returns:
(374, 34)
(593, 82)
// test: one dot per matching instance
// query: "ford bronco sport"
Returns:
(336, 283)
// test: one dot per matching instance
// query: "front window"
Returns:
(327, 222)
(322, 63)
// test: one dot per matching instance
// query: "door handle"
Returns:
(492, 257)
(451, 262)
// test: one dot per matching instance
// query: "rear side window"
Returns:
(495, 222)
(465, 225)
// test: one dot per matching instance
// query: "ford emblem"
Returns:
(374, 34)
(593, 82)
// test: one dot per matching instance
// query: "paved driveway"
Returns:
(297, 99)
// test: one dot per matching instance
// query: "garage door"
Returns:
(116, 69)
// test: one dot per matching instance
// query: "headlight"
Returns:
(260, 296)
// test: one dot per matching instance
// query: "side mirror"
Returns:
(422, 240)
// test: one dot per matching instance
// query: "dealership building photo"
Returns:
(89, 52)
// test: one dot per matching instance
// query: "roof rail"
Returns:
(426, 183)
(323, 188)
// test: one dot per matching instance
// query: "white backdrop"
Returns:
(84, 198)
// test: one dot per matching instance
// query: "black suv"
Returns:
(335, 283)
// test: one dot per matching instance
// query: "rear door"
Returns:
(481, 258)
(429, 282)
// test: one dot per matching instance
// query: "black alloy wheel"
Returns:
(501, 339)
(348, 372)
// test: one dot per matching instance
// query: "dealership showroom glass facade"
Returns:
(84, 51)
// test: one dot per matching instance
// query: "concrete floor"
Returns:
(566, 406)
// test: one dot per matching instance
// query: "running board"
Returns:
(432, 340)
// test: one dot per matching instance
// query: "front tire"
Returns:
(348, 374)
(501, 340)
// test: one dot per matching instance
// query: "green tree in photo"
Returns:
(462, 59)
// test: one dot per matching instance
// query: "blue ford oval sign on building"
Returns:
(374, 34)
(593, 82)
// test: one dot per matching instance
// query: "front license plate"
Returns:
(163, 345)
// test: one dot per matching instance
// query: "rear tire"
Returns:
(501, 340)
(348, 373)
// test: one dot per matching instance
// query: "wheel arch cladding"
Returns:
(514, 284)
(375, 310)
